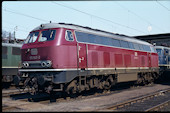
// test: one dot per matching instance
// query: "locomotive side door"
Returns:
(82, 57)
(149, 59)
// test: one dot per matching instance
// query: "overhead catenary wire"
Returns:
(162, 5)
(13, 29)
(17, 25)
(100, 18)
(139, 16)
(75, 10)
(20, 30)
(7, 10)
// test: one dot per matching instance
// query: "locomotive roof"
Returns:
(90, 30)
(12, 45)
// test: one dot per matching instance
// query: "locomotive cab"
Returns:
(43, 48)
(36, 50)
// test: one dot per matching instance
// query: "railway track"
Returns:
(29, 100)
(9, 108)
(9, 92)
(20, 105)
(152, 102)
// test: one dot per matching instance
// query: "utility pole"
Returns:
(9, 37)
(15, 29)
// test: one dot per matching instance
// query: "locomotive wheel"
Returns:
(146, 78)
(106, 82)
(71, 88)
(106, 86)
(110, 82)
(16, 80)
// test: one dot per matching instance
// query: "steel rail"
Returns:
(157, 107)
(140, 99)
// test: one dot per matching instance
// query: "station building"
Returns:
(156, 39)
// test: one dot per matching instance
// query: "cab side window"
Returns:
(69, 35)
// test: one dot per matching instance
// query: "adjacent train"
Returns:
(164, 56)
(11, 60)
(73, 58)
(164, 62)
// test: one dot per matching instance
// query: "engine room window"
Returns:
(47, 35)
(141, 47)
(107, 41)
(146, 48)
(131, 45)
(136, 46)
(32, 37)
(124, 44)
(116, 42)
(98, 39)
(69, 36)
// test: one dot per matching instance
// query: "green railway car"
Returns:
(11, 61)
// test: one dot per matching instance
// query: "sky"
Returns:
(132, 18)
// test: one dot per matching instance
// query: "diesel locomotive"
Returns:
(73, 58)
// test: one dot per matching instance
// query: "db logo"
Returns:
(34, 51)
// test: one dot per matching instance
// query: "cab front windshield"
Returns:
(42, 36)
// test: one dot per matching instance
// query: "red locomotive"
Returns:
(73, 58)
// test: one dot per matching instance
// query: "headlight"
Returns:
(25, 64)
(43, 64)
(47, 63)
